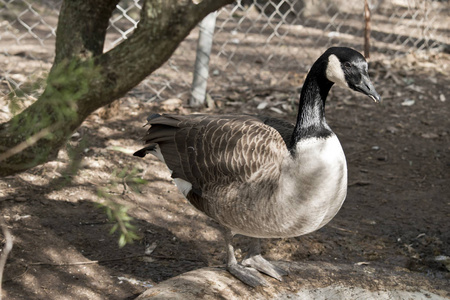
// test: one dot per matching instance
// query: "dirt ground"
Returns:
(396, 215)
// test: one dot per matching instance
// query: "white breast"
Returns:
(313, 185)
(311, 189)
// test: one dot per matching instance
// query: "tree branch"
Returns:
(82, 28)
(27, 143)
(164, 25)
(78, 84)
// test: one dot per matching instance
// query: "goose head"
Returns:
(348, 68)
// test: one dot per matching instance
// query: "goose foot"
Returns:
(248, 276)
(262, 265)
(249, 270)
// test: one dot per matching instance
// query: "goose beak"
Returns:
(366, 87)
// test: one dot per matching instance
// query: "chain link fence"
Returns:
(257, 43)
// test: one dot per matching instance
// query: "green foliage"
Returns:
(29, 91)
(117, 213)
(54, 115)
(129, 178)
(15, 101)
(66, 83)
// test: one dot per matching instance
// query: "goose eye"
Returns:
(347, 65)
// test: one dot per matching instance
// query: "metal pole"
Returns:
(201, 70)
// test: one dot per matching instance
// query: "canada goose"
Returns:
(259, 176)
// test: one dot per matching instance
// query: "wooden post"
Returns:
(367, 29)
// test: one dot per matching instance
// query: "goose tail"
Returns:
(144, 151)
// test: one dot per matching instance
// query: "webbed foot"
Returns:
(248, 276)
(262, 265)
(249, 271)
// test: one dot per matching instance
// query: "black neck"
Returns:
(311, 113)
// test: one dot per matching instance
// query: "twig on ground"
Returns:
(6, 249)
(342, 229)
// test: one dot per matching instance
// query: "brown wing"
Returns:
(214, 151)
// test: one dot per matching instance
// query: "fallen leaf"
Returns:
(262, 105)
(171, 104)
(349, 103)
(415, 88)
(392, 129)
(150, 248)
(277, 110)
(443, 259)
(408, 102)
(430, 135)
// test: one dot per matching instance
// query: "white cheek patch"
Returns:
(184, 186)
(334, 71)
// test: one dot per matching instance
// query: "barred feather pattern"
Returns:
(244, 176)
(219, 156)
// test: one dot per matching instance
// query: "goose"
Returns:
(263, 177)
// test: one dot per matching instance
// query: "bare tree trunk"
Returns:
(82, 28)
(83, 79)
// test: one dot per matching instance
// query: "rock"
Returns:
(309, 280)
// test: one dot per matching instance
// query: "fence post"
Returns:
(367, 29)
(201, 69)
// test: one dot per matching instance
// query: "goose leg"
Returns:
(255, 260)
(249, 276)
